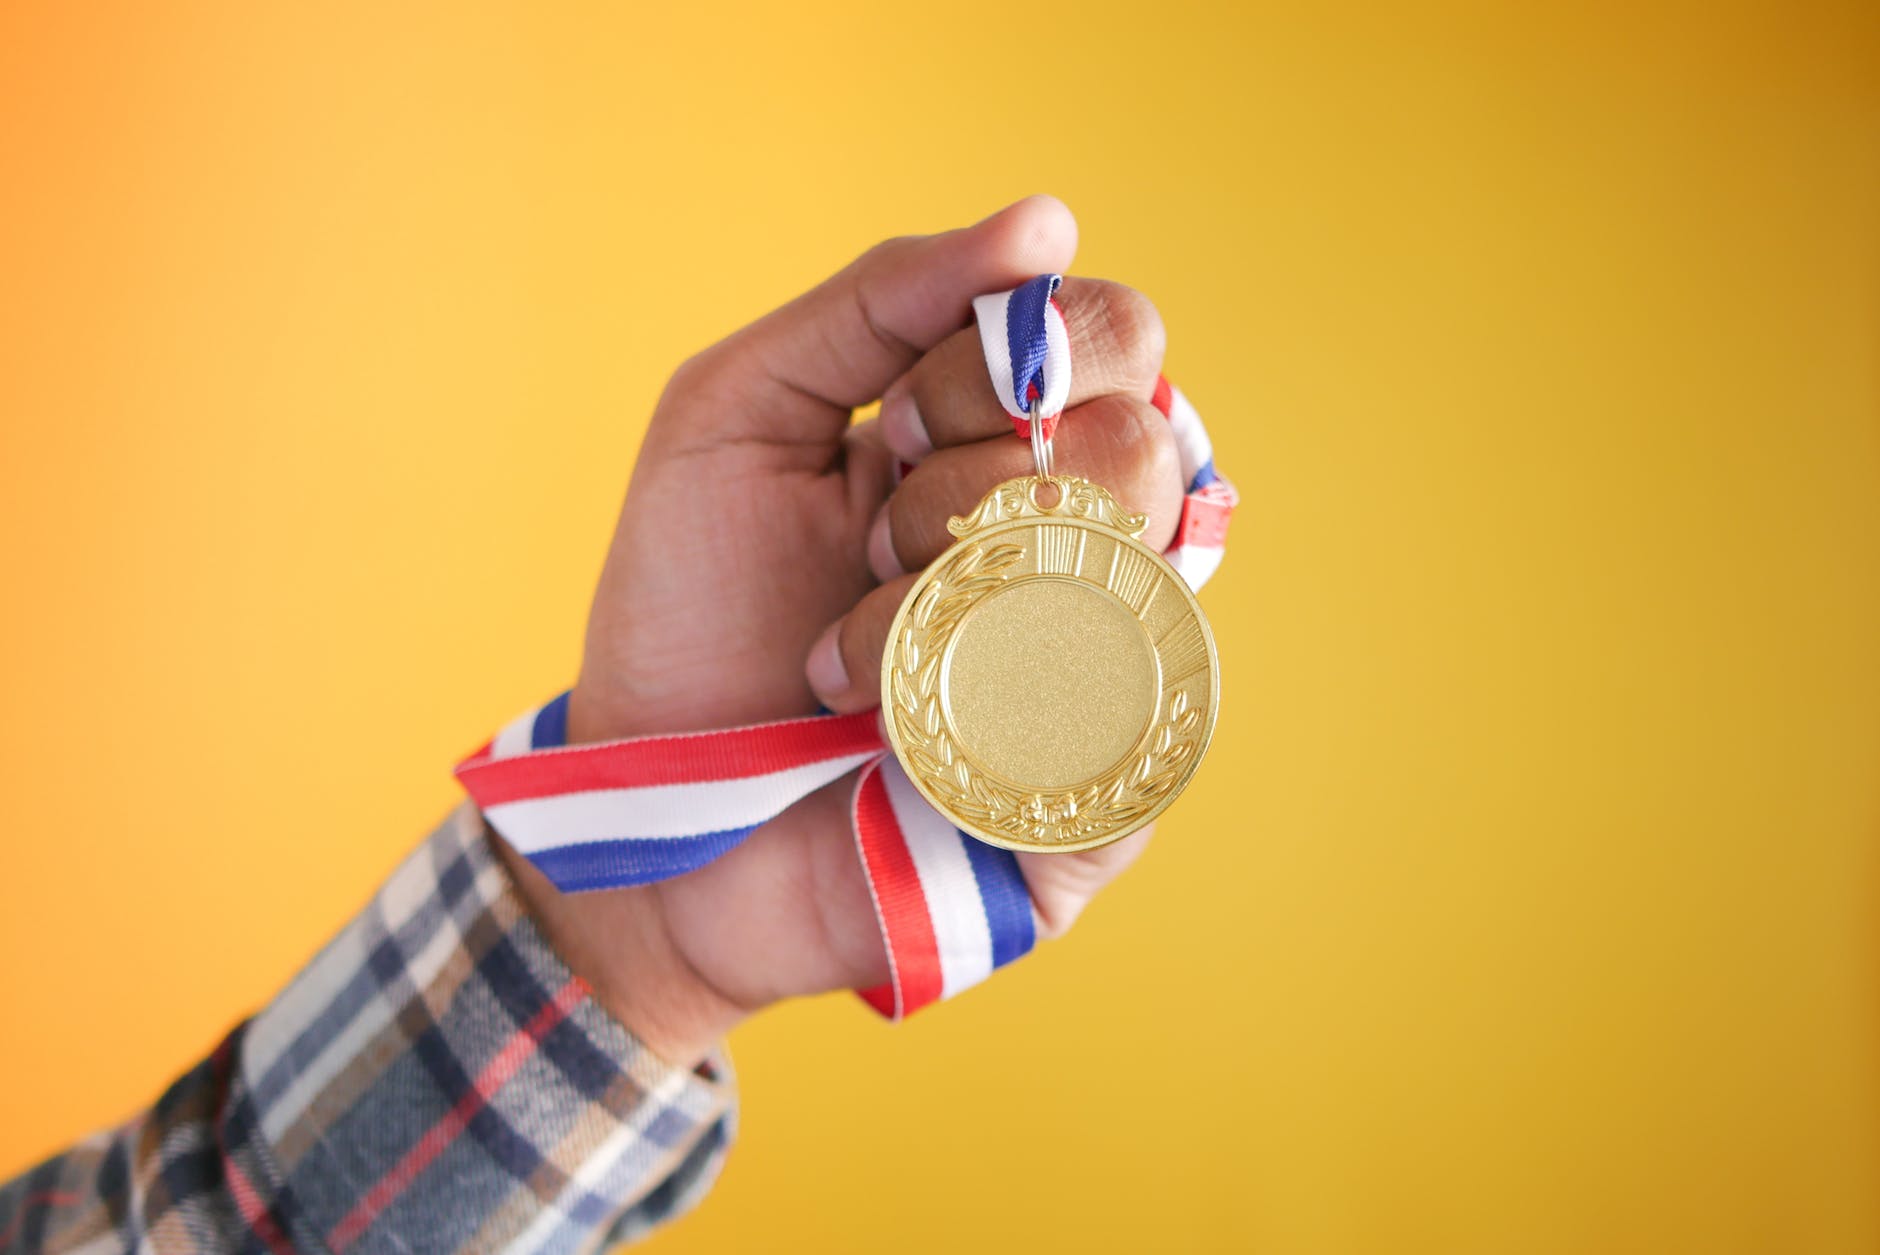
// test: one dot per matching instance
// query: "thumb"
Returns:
(793, 376)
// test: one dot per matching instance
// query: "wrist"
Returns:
(618, 942)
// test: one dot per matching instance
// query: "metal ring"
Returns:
(1040, 443)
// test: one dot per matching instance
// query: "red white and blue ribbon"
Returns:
(952, 909)
(1028, 351)
(1209, 500)
(632, 812)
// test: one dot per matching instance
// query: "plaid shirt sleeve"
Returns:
(435, 1080)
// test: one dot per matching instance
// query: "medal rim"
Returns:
(1202, 743)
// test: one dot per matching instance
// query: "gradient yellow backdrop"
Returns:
(1528, 901)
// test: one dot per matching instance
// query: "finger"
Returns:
(792, 376)
(1062, 885)
(946, 398)
(844, 665)
(1118, 442)
(870, 470)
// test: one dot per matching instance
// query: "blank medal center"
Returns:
(1049, 682)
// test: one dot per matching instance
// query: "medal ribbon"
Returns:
(1028, 351)
(952, 909)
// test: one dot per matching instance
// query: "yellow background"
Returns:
(1528, 899)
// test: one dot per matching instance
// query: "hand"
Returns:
(758, 560)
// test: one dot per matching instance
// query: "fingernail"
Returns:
(881, 556)
(827, 676)
(901, 427)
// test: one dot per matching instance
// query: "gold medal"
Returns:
(1050, 683)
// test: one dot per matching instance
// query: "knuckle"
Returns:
(695, 383)
(1143, 464)
(1158, 458)
(1056, 916)
(1142, 445)
(904, 511)
(1061, 889)
(1061, 896)
(703, 378)
(849, 638)
(886, 251)
(691, 374)
(920, 511)
(858, 640)
(1128, 324)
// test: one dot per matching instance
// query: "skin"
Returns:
(762, 551)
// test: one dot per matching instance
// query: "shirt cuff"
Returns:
(437, 1079)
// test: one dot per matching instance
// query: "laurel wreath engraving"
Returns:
(1116, 800)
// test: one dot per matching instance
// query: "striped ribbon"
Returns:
(952, 909)
(1028, 351)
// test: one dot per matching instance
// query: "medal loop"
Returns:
(1041, 434)
(1028, 352)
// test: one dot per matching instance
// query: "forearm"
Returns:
(436, 1079)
